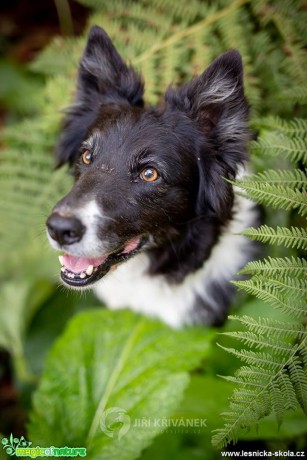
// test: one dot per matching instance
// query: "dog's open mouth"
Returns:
(81, 271)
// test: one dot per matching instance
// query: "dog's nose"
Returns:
(65, 230)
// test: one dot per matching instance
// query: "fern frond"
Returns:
(276, 329)
(276, 267)
(60, 57)
(210, 19)
(271, 383)
(274, 143)
(279, 369)
(294, 94)
(259, 359)
(232, 29)
(297, 127)
(293, 237)
(304, 357)
(252, 339)
(291, 287)
(298, 379)
(277, 196)
(294, 179)
(288, 391)
(277, 402)
(270, 294)
(295, 48)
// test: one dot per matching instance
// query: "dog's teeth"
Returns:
(63, 269)
(89, 270)
(82, 275)
(61, 259)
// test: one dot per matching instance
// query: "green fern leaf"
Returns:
(259, 359)
(277, 401)
(297, 127)
(298, 378)
(288, 392)
(270, 294)
(290, 287)
(292, 237)
(259, 342)
(277, 196)
(276, 329)
(295, 94)
(293, 179)
(274, 144)
(276, 267)
(268, 392)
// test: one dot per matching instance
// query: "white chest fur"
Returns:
(130, 285)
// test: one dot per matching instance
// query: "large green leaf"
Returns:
(108, 368)
(18, 307)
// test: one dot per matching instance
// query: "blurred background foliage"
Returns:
(168, 41)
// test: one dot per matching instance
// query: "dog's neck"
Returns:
(186, 253)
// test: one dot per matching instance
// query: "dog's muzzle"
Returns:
(79, 271)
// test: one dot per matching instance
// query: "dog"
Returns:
(152, 220)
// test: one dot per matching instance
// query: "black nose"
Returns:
(65, 230)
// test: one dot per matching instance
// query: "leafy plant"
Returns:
(274, 378)
(168, 42)
(113, 362)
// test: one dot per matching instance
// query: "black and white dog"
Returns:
(150, 196)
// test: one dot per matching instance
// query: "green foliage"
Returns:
(277, 196)
(293, 237)
(275, 378)
(293, 148)
(168, 42)
(16, 84)
(278, 267)
(108, 360)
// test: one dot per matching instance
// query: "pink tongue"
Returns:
(80, 264)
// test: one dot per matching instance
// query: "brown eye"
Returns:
(149, 174)
(87, 157)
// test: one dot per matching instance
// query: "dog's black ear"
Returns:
(103, 78)
(215, 101)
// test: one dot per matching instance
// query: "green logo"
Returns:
(10, 445)
(23, 448)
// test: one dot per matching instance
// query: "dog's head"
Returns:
(141, 174)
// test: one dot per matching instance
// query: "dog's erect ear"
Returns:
(103, 78)
(215, 101)
(102, 71)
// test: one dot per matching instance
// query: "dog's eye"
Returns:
(149, 174)
(87, 157)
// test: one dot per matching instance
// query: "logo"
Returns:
(115, 422)
(23, 448)
(12, 444)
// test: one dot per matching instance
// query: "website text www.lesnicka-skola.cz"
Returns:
(262, 453)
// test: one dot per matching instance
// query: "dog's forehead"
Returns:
(123, 117)
(126, 128)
